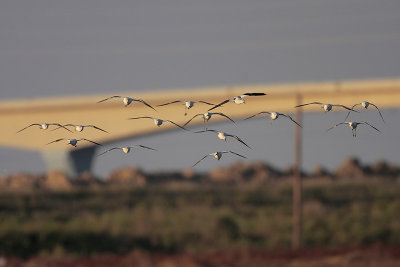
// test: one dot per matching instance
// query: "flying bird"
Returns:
(126, 149)
(237, 99)
(73, 142)
(223, 136)
(158, 122)
(326, 107)
(188, 104)
(126, 100)
(353, 125)
(206, 117)
(45, 126)
(365, 104)
(79, 127)
(274, 115)
(217, 155)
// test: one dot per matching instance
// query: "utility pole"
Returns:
(297, 186)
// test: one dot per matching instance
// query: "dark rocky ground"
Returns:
(256, 172)
(376, 255)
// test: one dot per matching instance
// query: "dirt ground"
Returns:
(376, 255)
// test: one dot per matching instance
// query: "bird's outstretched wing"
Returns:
(144, 102)
(208, 130)
(364, 122)
(109, 150)
(201, 160)
(220, 104)
(252, 94)
(237, 138)
(229, 151)
(343, 106)
(262, 112)
(144, 117)
(289, 117)
(204, 102)
(28, 126)
(192, 119)
(222, 114)
(177, 101)
(176, 125)
(378, 111)
(95, 127)
(352, 108)
(143, 147)
(89, 141)
(318, 103)
(62, 126)
(109, 98)
(58, 140)
(337, 125)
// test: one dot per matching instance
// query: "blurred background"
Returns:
(70, 48)
(56, 49)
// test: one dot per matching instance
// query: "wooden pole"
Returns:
(297, 186)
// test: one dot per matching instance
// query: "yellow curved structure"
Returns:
(112, 115)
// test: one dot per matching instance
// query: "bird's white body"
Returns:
(274, 115)
(127, 101)
(44, 126)
(222, 135)
(126, 150)
(239, 100)
(72, 142)
(327, 107)
(353, 125)
(217, 155)
(189, 104)
(207, 116)
(365, 104)
(79, 128)
(158, 122)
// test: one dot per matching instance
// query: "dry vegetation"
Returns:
(244, 210)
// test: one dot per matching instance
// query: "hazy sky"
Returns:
(56, 48)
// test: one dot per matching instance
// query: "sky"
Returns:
(67, 48)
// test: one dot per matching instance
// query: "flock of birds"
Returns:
(206, 117)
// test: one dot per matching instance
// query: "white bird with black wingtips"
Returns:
(365, 104)
(127, 100)
(217, 155)
(79, 127)
(188, 104)
(353, 125)
(158, 122)
(45, 126)
(237, 99)
(223, 136)
(126, 149)
(206, 117)
(274, 115)
(326, 107)
(73, 142)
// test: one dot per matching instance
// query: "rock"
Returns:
(320, 171)
(128, 176)
(56, 180)
(382, 168)
(86, 179)
(351, 167)
(241, 173)
(19, 182)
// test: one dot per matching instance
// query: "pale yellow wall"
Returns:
(112, 115)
